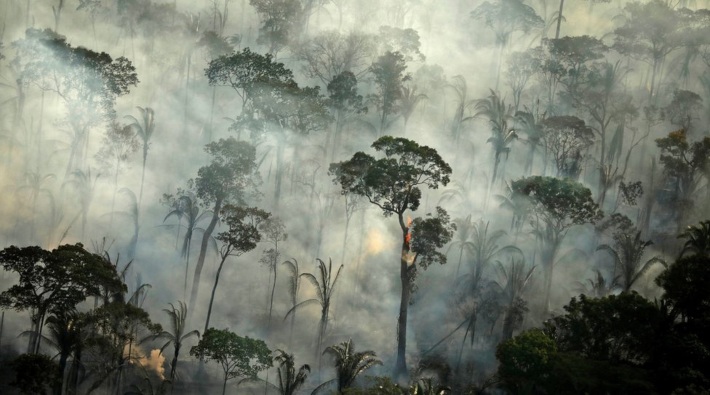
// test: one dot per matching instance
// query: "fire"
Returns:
(408, 237)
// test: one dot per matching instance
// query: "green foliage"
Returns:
(230, 175)
(246, 71)
(617, 328)
(698, 239)
(35, 373)
(505, 17)
(280, 22)
(683, 108)
(526, 360)
(430, 234)
(560, 204)
(342, 93)
(239, 356)
(567, 138)
(290, 380)
(393, 182)
(685, 283)
(57, 280)
(243, 225)
(350, 364)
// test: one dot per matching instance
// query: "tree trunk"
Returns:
(145, 157)
(214, 289)
(273, 289)
(559, 19)
(400, 369)
(279, 171)
(224, 384)
(173, 366)
(203, 252)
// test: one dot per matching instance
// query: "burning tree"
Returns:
(393, 183)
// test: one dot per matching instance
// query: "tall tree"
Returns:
(556, 206)
(241, 236)
(229, 178)
(627, 251)
(280, 22)
(325, 286)
(499, 114)
(567, 138)
(505, 17)
(53, 281)
(144, 130)
(683, 164)
(87, 82)
(274, 231)
(651, 31)
(344, 100)
(393, 183)
(239, 356)
(389, 75)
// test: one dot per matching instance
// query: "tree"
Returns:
(389, 75)
(628, 252)
(329, 54)
(84, 185)
(228, 178)
(350, 364)
(118, 145)
(239, 356)
(274, 231)
(600, 95)
(698, 239)
(245, 72)
(684, 165)
(651, 31)
(517, 277)
(528, 123)
(345, 102)
(144, 130)
(177, 334)
(555, 206)
(410, 99)
(289, 380)
(616, 328)
(521, 66)
(498, 114)
(393, 184)
(87, 82)
(505, 17)
(185, 205)
(294, 285)
(53, 281)
(242, 235)
(573, 55)
(525, 360)
(567, 138)
(683, 109)
(280, 22)
(463, 104)
(35, 373)
(325, 286)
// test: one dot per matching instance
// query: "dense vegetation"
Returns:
(354, 197)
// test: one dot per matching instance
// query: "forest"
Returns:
(354, 197)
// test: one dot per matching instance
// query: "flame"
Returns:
(408, 237)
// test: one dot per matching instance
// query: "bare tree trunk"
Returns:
(203, 252)
(400, 369)
(214, 289)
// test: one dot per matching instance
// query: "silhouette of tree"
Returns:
(144, 130)
(698, 239)
(239, 356)
(177, 335)
(389, 75)
(290, 381)
(350, 364)
(393, 184)
(242, 235)
(227, 179)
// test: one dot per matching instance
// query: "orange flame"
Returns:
(408, 237)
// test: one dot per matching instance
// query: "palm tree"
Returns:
(144, 130)
(516, 278)
(698, 242)
(186, 206)
(464, 230)
(349, 364)
(34, 187)
(84, 185)
(498, 114)
(529, 124)
(294, 284)
(324, 293)
(628, 253)
(177, 336)
(290, 380)
(409, 101)
(599, 286)
(463, 104)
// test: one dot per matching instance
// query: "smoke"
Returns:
(170, 63)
